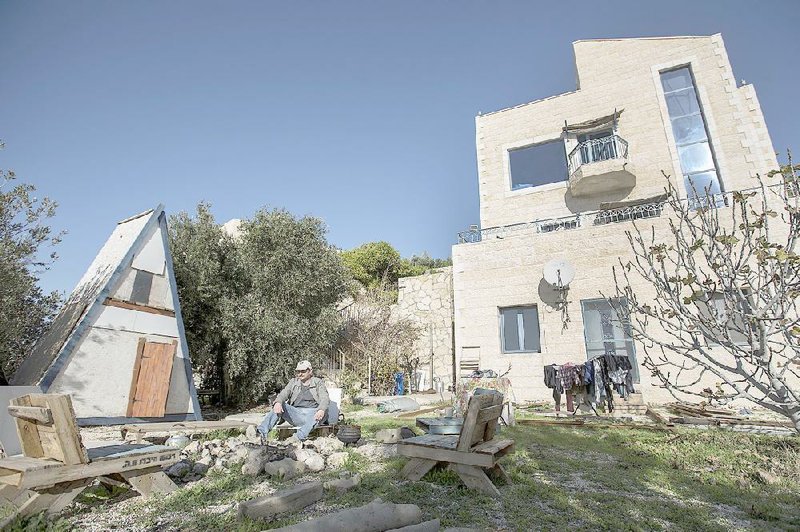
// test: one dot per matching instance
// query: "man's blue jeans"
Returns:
(302, 418)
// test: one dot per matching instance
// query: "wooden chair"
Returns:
(472, 453)
(55, 466)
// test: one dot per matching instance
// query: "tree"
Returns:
(373, 263)
(25, 309)
(202, 255)
(378, 263)
(726, 283)
(372, 339)
(255, 304)
(283, 307)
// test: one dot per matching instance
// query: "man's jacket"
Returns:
(291, 393)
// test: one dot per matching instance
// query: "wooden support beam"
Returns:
(31, 413)
(109, 302)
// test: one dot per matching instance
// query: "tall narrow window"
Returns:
(689, 129)
(519, 329)
(605, 333)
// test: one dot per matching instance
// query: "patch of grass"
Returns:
(220, 434)
(563, 477)
(40, 522)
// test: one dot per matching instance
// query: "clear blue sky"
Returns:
(361, 113)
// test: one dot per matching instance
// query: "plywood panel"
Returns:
(152, 380)
(151, 257)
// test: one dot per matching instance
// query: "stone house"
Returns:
(562, 178)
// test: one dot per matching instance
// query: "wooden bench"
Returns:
(55, 466)
(471, 453)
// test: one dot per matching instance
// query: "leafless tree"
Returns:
(726, 276)
(372, 337)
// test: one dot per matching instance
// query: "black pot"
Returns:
(349, 433)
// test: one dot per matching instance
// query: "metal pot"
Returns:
(349, 433)
(179, 441)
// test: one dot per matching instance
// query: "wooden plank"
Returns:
(490, 429)
(487, 414)
(152, 385)
(65, 473)
(415, 413)
(446, 455)
(137, 366)
(657, 417)
(31, 413)
(27, 431)
(67, 439)
(493, 447)
(476, 403)
(189, 427)
(149, 481)
(498, 472)
(416, 468)
(548, 422)
(476, 479)
(139, 307)
(445, 441)
(23, 463)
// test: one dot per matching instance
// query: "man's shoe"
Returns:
(263, 438)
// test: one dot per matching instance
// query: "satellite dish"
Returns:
(559, 273)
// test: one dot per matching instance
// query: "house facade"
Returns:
(561, 178)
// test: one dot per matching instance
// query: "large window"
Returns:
(606, 333)
(538, 165)
(691, 138)
(519, 329)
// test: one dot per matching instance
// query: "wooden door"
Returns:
(151, 377)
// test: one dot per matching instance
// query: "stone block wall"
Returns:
(428, 301)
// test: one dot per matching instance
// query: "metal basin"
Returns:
(446, 425)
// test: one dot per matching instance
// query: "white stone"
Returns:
(337, 460)
(312, 459)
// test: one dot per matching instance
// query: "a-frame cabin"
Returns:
(118, 346)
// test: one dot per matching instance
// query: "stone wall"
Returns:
(428, 300)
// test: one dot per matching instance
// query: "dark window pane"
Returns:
(682, 103)
(538, 165)
(530, 320)
(695, 157)
(510, 330)
(676, 79)
(689, 129)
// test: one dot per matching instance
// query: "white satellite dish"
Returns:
(559, 273)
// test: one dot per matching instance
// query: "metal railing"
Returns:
(653, 209)
(566, 223)
(602, 149)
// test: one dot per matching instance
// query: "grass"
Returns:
(562, 477)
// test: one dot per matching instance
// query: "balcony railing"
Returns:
(566, 223)
(595, 150)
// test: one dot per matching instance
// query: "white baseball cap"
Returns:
(303, 365)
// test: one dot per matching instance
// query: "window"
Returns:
(538, 165)
(691, 138)
(519, 330)
(605, 333)
(719, 319)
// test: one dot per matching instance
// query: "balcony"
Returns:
(600, 165)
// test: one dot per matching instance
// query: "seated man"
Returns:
(303, 403)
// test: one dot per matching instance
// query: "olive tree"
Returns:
(25, 236)
(726, 280)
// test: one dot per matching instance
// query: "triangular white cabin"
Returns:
(118, 346)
